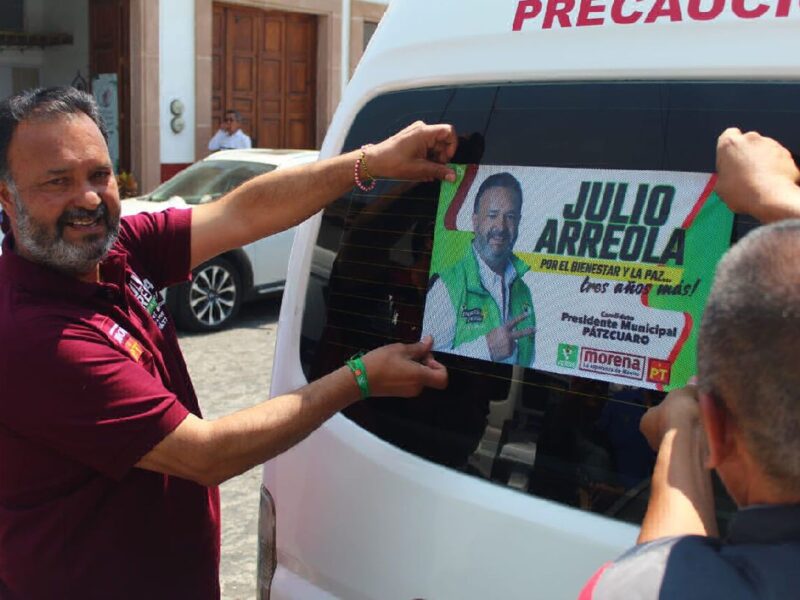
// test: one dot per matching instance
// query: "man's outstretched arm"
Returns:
(681, 498)
(210, 452)
(757, 176)
(280, 199)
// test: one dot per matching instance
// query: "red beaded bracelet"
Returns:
(361, 166)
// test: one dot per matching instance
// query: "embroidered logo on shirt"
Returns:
(125, 340)
(472, 315)
(152, 300)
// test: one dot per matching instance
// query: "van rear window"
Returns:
(564, 437)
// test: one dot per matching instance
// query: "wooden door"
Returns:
(109, 52)
(241, 66)
(271, 91)
(217, 67)
(265, 67)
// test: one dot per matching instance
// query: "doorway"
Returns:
(264, 66)
(109, 53)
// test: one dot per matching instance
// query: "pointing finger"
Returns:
(528, 331)
(429, 170)
(730, 133)
(434, 376)
(420, 349)
(515, 321)
(430, 362)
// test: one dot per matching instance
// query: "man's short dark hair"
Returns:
(41, 103)
(501, 180)
(747, 347)
(236, 114)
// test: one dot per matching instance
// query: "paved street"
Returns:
(230, 371)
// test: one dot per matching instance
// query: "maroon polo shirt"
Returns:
(91, 379)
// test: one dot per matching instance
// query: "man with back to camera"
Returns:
(481, 306)
(741, 419)
(230, 135)
(108, 477)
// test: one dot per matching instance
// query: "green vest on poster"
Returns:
(476, 311)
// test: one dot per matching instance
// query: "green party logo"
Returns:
(567, 356)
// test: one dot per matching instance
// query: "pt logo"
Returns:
(567, 356)
(125, 340)
(658, 371)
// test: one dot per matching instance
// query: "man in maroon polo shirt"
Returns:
(108, 473)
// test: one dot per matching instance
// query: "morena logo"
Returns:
(607, 362)
(547, 14)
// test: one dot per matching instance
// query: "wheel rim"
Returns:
(212, 295)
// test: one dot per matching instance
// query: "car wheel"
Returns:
(211, 300)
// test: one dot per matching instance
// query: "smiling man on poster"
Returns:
(484, 307)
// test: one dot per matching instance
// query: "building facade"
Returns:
(164, 71)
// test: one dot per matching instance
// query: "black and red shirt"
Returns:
(758, 560)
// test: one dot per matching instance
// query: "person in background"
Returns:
(230, 135)
(742, 417)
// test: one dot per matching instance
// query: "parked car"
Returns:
(219, 287)
(513, 482)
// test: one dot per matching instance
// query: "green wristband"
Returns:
(360, 373)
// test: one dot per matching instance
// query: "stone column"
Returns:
(203, 65)
(145, 131)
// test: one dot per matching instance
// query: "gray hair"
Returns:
(42, 103)
(746, 349)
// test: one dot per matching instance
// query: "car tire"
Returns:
(212, 299)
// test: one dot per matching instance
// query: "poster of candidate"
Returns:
(592, 273)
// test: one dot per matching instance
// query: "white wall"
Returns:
(57, 65)
(61, 63)
(176, 56)
(9, 59)
(34, 16)
(29, 58)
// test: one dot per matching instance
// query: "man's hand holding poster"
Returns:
(595, 273)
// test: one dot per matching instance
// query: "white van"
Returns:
(514, 483)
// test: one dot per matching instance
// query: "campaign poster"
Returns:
(586, 272)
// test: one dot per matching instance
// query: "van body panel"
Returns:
(359, 518)
(287, 585)
(362, 497)
(477, 45)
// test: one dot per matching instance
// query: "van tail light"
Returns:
(267, 554)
